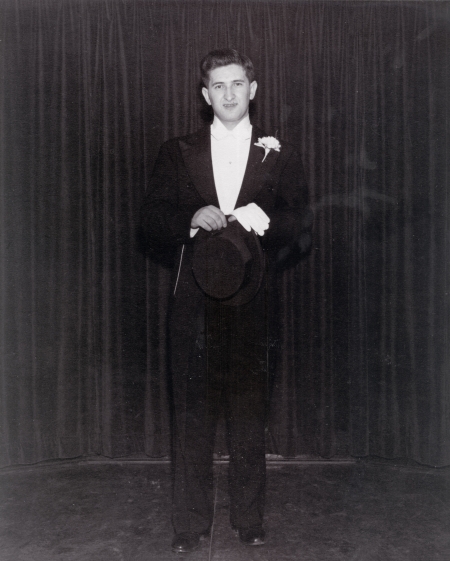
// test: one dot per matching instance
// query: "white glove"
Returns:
(252, 217)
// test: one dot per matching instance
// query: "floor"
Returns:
(345, 511)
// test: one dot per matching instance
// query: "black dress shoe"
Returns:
(252, 536)
(187, 541)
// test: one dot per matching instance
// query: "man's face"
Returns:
(229, 93)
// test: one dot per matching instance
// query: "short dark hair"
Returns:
(224, 57)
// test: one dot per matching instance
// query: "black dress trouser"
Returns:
(228, 375)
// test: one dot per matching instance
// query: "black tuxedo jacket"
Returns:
(183, 182)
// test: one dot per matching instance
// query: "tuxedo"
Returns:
(219, 354)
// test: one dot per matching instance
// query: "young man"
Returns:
(229, 171)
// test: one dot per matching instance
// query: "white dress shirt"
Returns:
(229, 154)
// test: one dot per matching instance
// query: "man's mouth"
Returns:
(229, 105)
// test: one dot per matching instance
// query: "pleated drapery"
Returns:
(90, 89)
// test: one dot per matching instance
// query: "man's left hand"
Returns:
(251, 217)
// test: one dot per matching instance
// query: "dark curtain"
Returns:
(90, 89)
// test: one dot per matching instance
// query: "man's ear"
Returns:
(253, 87)
(206, 95)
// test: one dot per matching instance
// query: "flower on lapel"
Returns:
(268, 143)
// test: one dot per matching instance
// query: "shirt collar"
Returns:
(242, 131)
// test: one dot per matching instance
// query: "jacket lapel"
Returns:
(256, 171)
(196, 152)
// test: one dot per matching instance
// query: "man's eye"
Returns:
(217, 87)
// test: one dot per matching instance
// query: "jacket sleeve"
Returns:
(165, 219)
(290, 215)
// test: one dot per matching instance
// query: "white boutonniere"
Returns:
(268, 143)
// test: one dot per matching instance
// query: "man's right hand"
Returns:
(209, 218)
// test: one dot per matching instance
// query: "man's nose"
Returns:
(229, 94)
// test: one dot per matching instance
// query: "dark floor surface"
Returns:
(324, 511)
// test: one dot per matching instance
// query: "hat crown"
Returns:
(228, 264)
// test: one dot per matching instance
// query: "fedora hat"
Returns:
(228, 264)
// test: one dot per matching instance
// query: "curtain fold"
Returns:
(90, 91)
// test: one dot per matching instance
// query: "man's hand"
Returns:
(209, 218)
(251, 217)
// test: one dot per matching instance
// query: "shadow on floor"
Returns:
(327, 511)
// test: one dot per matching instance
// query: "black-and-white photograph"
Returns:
(224, 280)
